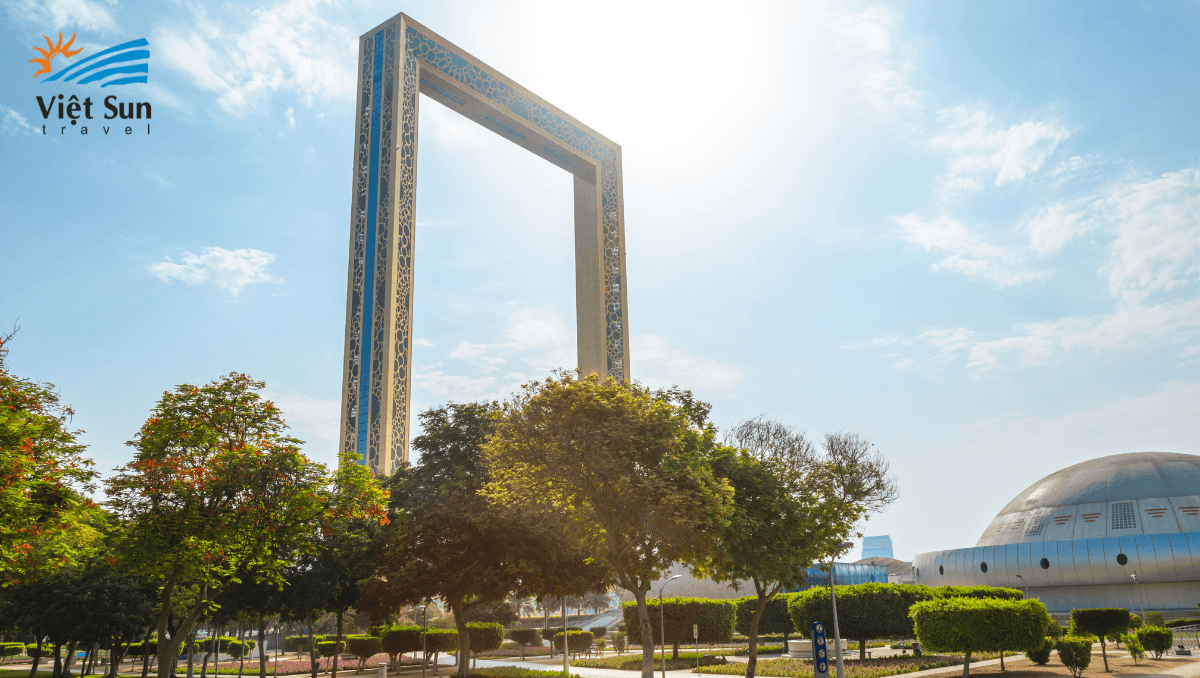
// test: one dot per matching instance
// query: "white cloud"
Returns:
(420, 341)
(14, 124)
(229, 270)
(288, 46)
(657, 364)
(966, 252)
(313, 419)
(883, 79)
(1055, 226)
(63, 15)
(982, 150)
(456, 388)
(290, 114)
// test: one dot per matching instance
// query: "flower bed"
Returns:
(291, 667)
(633, 662)
(868, 668)
(762, 649)
(517, 672)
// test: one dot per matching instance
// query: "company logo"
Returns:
(123, 64)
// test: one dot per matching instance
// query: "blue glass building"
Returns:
(877, 547)
(846, 574)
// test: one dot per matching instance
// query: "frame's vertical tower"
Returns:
(396, 60)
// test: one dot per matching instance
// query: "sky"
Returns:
(968, 232)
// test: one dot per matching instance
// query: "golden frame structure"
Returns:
(397, 60)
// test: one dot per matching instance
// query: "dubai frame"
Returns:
(397, 60)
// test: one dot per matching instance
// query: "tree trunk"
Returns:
(862, 649)
(647, 634)
(1104, 653)
(37, 656)
(337, 647)
(967, 664)
(752, 659)
(312, 654)
(167, 646)
(242, 656)
(262, 647)
(212, 635)
(57, 661)
(1001, 660)
(464, 638)
(145, 652)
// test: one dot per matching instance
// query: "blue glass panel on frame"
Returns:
(366, 363)
(1193, 539)
(1147, 567)
(1162, 554)
(1079, 550)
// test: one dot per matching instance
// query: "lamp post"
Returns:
(424, 654)
(1025, 585)
(837, 636)
(1140, 598)
(662, 623)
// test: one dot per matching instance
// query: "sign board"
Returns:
(820, 655)
(696, 631)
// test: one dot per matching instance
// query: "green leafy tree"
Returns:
(970, 625)
(446, 541)
(792, 506)
(713, 621)
(1075, 653)
(43, 474)
(1102, 622)
(1041, 654)
(1134, 647)
(1156, 639)
(216, 489)
(623, 471)
(865, 611)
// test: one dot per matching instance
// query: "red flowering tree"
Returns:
(217, 491)
(43, 474)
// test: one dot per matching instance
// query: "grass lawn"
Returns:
(517, 672)
(633, 662)
(762, 649)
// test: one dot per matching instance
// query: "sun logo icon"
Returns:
(52, 50)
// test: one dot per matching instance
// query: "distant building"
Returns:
(877, 547)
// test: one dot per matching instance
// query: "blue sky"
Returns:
(966, 231)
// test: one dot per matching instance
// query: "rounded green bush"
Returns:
(599, 631)
(328, 648)
(1042, 654)
(1075, 653)
(970, 625)
(399, 640)
(441, 640)
(714, 617)
(523, 637)
(577, 641)
(1155, 639)
(485, 637)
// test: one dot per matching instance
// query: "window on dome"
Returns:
(1123, 515)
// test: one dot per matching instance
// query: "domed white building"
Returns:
(1119, 531)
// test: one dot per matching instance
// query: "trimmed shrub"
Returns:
(1156, 639)
(973, 592)
(485, 636)
(1102, 622)
(12, 649)
(1042, 654)
(713, 617)
(441, 640)
(398, 640)
(548, 634)
(363, 647)
(1054, 630)
(31, 649)
(1133, 647)
(599, 631)
(618, 639)
(328, 648)
(577, 641)
(1075, 653)
(775, 617)
(1135, 622)
(523, 637)
(1155, 619)
(865, 611)
(971, 625)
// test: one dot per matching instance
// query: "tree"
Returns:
(711, 619)
(969, 625)
(1156, 639)
(1101, 621)
(447, 541)
(792, 506)
(1075, 653)
(865, 611)
(623, 471)
(43, 474)
(498, 612)
(216, 489)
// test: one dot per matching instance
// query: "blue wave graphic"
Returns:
(131, 60)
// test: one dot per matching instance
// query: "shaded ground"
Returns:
(1122, 667)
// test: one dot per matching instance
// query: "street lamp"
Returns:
(837, 636)
(1140, 598)
(424, 654)
(662, 624)
(1025, 585)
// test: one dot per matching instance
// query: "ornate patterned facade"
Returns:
(397, 60)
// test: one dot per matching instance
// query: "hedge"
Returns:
(548, 634)
(577, 641)
(1174, 623)
(599, 631)
(1156, 639)
(970, 625)
(441, 640)
(363, 647)
(1075, 653)
(397, 640)
(713, 617)
(1100, 621)
(12, 649)
(1041, 655)
(300, 643)
(523, 637)
(775, 617)
(328, 648)
(865, 611)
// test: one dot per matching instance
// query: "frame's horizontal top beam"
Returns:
(465, 84)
